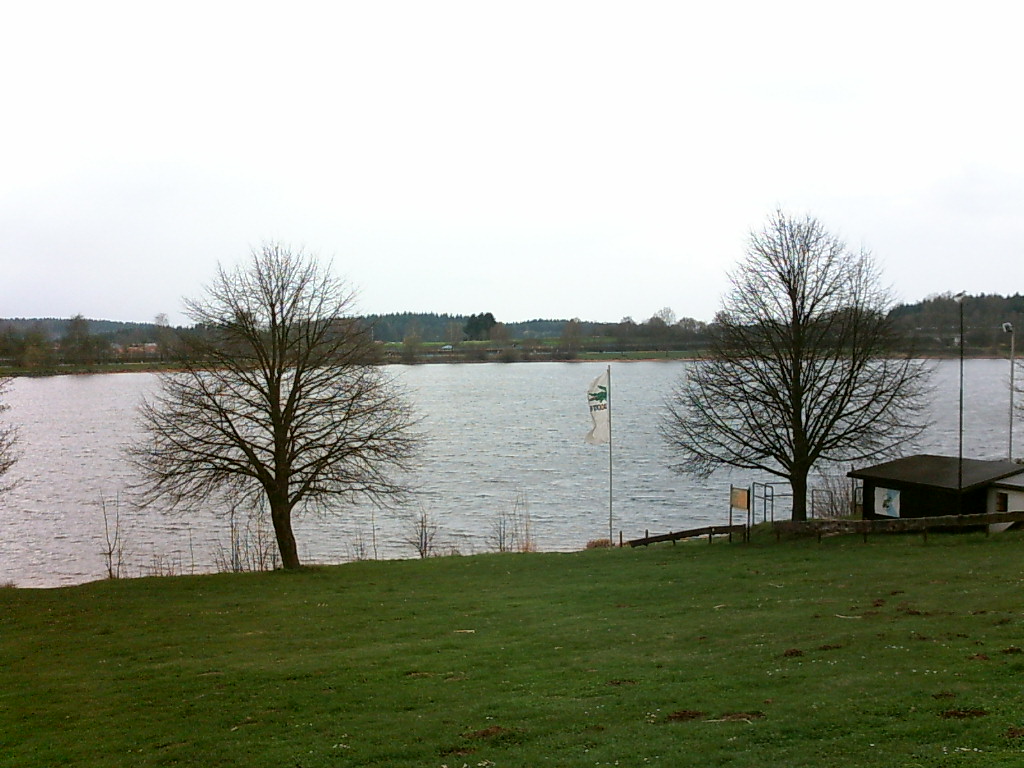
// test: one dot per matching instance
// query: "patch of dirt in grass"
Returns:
(1014, 733)
(247, 721)
(908, 610)
(490, 732)
(1013, 649)
(457, 752)
(792, 653)
(622, 682)
(962, 714)
(169, 744)
(685, 715)
(829, 647)
(978, 657)
(944, 695)
(740, 716)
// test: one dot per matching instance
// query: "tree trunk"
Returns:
(798, 482)
(281, 514)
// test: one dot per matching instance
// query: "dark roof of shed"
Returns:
(938, 472)
(1013, 483)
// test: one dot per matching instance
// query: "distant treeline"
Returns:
(932, 327)
(43, 345)
(452, 329)
(54, 328)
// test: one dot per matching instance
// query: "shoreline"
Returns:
(645, 356)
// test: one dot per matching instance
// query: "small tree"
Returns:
(79, 346)
(164, 335)
(804, 365)
(421, 533)
(478, 327)
(276, 401)
(569, 343)
(37, 353)
(412, 343)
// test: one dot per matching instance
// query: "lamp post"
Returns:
(1008, 328)
(960, 449)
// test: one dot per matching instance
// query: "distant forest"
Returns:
(55, 328)
(932, 327)
(452, 329)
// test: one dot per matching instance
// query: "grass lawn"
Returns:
(892, 653)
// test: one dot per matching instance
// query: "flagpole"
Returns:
(611, 539)
(599, 401)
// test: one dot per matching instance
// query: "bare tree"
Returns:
(803, 368)
(569, 344)
(421, 533)
(666, 314)
(8, 441)
(276, 401)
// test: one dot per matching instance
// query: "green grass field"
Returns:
(891, 653)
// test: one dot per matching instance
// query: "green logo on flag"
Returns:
(600, 396)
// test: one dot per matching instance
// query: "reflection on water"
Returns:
(497, 433)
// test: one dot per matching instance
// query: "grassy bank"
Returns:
(896, 652)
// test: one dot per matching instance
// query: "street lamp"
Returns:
(960, 450)
(1008, 328)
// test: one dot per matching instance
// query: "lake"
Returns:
(503, 439)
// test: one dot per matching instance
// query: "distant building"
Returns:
(147, 351)
(929, 486)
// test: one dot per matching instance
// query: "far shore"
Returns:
(643, 356)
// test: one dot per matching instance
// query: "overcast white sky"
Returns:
(548, 159)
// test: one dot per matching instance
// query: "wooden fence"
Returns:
(710, 531)
(828, 527)
(834, 527)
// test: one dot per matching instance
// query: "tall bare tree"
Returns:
(277, 403)
(804, 365)
(8, 440)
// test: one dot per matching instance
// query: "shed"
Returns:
(929, 486)
(1007, 494)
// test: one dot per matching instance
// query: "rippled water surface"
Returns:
(497, 433)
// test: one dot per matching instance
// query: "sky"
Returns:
(530, 159)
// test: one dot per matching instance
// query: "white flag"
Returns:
(599, 400)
